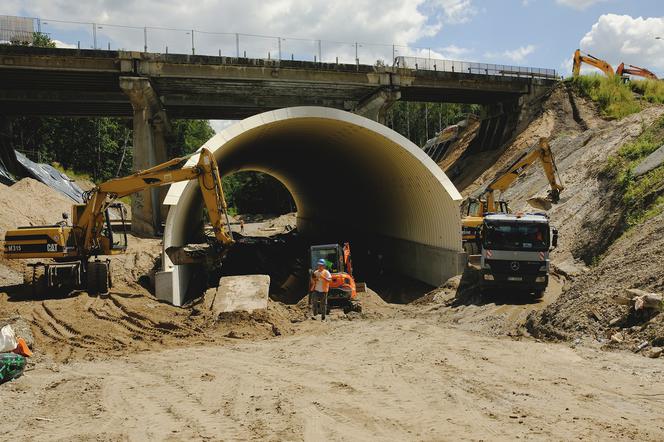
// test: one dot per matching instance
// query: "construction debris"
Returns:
(640, 300)
(238, 293)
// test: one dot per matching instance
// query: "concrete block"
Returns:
(240, 293)
(163, 285)
(652, 161)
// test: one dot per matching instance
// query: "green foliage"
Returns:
(98, 147)
(641, 196)
(39, 39)
(651, 90)
(255, 192)
(187, 136)
(421, 121)
(92, 146)
(615, 98)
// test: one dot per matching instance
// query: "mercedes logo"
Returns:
(514, 265)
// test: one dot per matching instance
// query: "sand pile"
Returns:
(31, 203)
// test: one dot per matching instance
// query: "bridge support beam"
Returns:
(150, 127)
(376, 106)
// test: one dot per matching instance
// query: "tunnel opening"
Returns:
(351, 179)
(268, 242)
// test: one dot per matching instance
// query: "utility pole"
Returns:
(94, 35)
(193, 49)
(145, 39)
(237, 45)
(320, 51)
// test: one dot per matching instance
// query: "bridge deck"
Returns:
(46, 81)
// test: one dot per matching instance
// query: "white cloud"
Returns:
(219, 125)
(579, 5)
(62, 44)
(457, 11)
(621, 38)
(388, 21)
(518, 55)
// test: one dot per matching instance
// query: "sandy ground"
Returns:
(384, 379)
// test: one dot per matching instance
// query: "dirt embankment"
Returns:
(589, 217)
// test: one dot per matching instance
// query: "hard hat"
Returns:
(321, 262)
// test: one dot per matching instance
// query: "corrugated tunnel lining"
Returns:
(345, 172)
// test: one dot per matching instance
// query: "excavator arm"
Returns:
(206, 171)
(635, 70)
(504, 180)
(592, 61)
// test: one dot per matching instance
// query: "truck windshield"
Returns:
(516, 236)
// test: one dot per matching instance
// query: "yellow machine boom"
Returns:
(592, 61)
(484, 201)
(90, 235)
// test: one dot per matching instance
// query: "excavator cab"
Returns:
(113, 238)
(478, 208)
(343, 290)
(115, 228)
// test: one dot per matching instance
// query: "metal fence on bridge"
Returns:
(106, 36)
(432, 64)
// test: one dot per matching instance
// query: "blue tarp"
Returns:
(51, 177)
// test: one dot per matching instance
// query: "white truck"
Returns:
(515, 251)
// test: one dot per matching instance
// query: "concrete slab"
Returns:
(652, 161)
(239, 293)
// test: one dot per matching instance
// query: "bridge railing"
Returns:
(432, 64)
(107, 36)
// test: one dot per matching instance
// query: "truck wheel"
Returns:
(91, 278)
(38, 281)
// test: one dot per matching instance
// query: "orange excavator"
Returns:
(635, 70)
(591, 60)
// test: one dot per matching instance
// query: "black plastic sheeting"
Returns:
(46, 174)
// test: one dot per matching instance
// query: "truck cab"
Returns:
(515, 251)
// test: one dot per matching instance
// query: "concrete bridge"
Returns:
(152, 88)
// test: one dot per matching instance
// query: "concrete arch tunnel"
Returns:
(350, 177)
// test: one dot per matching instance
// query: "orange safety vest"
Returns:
(325, 285)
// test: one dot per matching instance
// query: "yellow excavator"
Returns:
(484, 201)
(71, 248)
(592, 61)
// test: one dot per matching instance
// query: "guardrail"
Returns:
(432, 64)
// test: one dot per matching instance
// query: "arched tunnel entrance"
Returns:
(351, 179)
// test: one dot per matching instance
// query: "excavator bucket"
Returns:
(539, 203)
(205, 254)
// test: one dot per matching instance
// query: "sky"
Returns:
(538, 33)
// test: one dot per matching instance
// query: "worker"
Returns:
(318, 287)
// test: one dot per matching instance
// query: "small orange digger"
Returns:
(343, 290)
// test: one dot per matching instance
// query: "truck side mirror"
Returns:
(554, 238)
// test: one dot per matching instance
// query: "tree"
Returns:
(39, 39)
(421, 121)
(187, 136)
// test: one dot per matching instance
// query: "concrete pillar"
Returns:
(150, 124)
(376, 106)
(161, 130)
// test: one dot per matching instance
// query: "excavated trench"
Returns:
(351, 178)
(284, 257)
